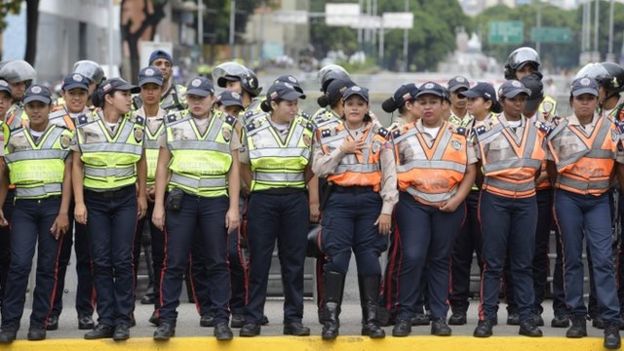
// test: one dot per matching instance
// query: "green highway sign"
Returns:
(506, 32)
(555, 35)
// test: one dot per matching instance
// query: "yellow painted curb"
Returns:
(312, 343)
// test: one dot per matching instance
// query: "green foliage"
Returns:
(10, 7)
(217, 19)
(552, 55)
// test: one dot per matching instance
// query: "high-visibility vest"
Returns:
(37, 168)
(325, 118)
(355, 169)
(510, 174)
(431, 174)
(109, 160)
(199, 165)
(16, 116)
(276, 163)
(61, 117)
(152, 147)
(460, 122)
(585, 163)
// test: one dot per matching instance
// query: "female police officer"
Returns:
(582, 151)
(41, 171)
(109, 172)
(435, 173)
(199, 162)
(278, 147)
(359, 165)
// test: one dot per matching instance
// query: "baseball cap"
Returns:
(356, 90)
(433, 88)
(38, 93)
(405, 92)
(114, 84)
(75, 81)
(584, 85)
(150, 74)
(458, 82)
(200, 86)
(230, 98)
(4, 86)
(512, 88)
(334, 91)
(284, 91)
(159, 54)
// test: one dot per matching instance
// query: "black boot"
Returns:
(578, 328)
(334, 286)
(369, 295)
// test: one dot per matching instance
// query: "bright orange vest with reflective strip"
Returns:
(513, 176)
(430, 174)
(588, 171)
(355, 169)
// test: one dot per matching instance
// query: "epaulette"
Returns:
(543, 127)
(248, 114)
(309, 125)
(383, 132)
(619, 126)
(230, 120)
(460, 130)
(138, 119)
(174, 116)
(82, 119)
(306, 115)
(480, 130)
(326, 133)
(396, 133)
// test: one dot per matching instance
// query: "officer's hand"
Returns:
(352, 146)
(384, 222)
(80, 213)
(158, 217)
(450, 205)
(141, 206)
(3, 221)
(60, 226)
(232, 219)
(315, 213)
(151, 193)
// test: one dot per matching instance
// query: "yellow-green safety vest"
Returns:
(109, 160)
(200, 163)
(37, 168)
(276, 163)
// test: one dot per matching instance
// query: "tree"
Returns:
(32, 26)
(139, 19)
(10, 7)
(217, 20)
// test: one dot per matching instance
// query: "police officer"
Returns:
(359, 165)
(330, 72)
(94, 72)
(229, 103)
(173, 95)
(481, 103)
(198, 159)
(435, 173)
(5, 233)
(109, 172)
(582, 153)
(403, 100)
(151, 83)
(276, 167)
(459, 116)
(19, 74)
(510, 150)
(75, 94)
(235, 77)
(40, 215)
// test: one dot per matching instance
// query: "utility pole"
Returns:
(232, 22)
(596, 27)
(405, 47)
(538, 43)
(610, 54)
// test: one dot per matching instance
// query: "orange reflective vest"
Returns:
(355, 169)
(430, 174)
(587, 167)
(510, 162)
(60, 117)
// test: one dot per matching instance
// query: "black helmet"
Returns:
(91, 70)
(609, 75)
(520, 57)
(330, 72)
(234, 71)
(15, 71)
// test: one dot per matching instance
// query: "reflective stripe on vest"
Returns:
(588, 171)
(513, 177)
(38, 191)
(103, 157)
(431, 198)
(276, 163)
(200, 166)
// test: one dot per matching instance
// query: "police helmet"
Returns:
(609, 75)
(15, 71)
(519, 58)
(91, 70)
(330, 72)
(233, 71)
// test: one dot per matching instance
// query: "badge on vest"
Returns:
(138, 134)
(456, 145)
(307, 141)
(376, 147)
(65, 141)
(227, 134)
